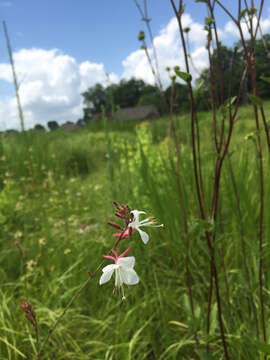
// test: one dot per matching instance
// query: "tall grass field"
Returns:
(146, 240)
(57, 193)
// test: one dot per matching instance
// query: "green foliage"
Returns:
(58, 213)
(266, 79)
(254, 99)
(180, 97)
(262, 66)
(125, 94)
(231, 64)
(183, 75)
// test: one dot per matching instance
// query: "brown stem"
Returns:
(209, 305)
(251, 65)
(213, 97)
(220, 65)
(15, 81)
(198, 190)
(184, 212)
(192, 115)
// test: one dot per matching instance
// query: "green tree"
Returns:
(127, 93)
(262, 58)
(230, 64)
(93, 99)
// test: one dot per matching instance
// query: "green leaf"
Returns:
(242, 13)
(178, 323)
(209, 21)
(199, 86)
(266, 79)
(255, 99)
(204, 356)
(224, 110)
(229, 102)
(183, 75)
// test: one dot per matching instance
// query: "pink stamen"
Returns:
(115, 259)
(123, 235)
(109, 257)
(113, 224)
(115, 253)
(125, 252)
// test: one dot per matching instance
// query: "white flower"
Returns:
(124, 272)
(136, 224)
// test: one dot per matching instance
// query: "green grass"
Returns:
(60, 186)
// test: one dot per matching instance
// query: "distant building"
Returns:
(69, 126)
(143, 112)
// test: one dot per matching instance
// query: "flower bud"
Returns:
(113, 224)
(141, 35)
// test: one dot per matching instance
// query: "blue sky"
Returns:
(61, 47)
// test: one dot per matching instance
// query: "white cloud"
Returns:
(169, 51)
(51, 82)
(50, 87)
(92, 73)
(231, 29)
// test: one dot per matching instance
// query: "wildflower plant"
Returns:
(124, 272)
(123, 267)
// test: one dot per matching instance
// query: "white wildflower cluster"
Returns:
(123, 267)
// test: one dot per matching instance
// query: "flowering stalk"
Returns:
(30, 316)
(18, 246)
(250, 61)
(123, 266)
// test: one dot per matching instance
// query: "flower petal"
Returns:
(106, 276)
(144, 235)
(108, 267)
(129, 276)
(127, 262)
(136, 214)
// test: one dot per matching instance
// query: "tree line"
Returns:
(230, 61)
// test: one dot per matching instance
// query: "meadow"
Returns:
(57, 193)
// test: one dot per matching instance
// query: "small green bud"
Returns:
(141, 35)
(187, 30)
(176, 68)
(209, 21)
(168, 68)
(173, 77)
(252, 11)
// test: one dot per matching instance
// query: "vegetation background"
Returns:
(57, 190)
